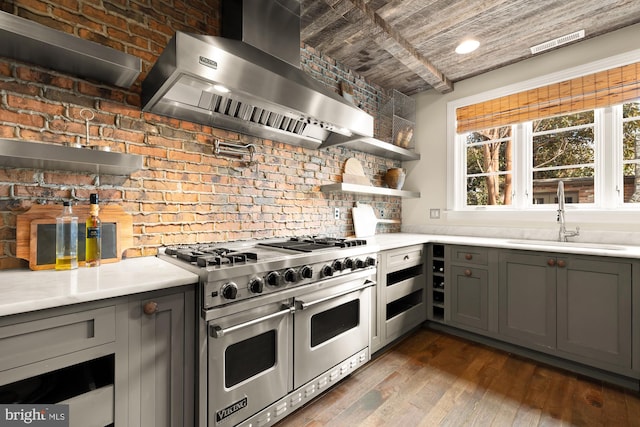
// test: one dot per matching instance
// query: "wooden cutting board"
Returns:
(354, 173)
(35, 233)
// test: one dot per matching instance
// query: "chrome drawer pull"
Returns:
(304, 305)
(217, 332)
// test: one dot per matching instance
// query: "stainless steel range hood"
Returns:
(228, 82)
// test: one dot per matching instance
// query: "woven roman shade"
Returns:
(602, 89)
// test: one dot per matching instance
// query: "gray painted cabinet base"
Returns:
(400, 294)
(161, 361)
(594, 310)
(578, 308)
(153, 356)
(527, 300)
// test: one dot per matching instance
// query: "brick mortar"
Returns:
(184, 193)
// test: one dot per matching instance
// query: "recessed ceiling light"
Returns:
(467, 46)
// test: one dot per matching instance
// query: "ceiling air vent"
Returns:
(557, 42)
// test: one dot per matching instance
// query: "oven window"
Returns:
(247, 358)
(333, 322)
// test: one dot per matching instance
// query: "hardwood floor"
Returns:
(435, 379)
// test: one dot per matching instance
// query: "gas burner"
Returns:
(310, 244)
(209, 255)
(226, 259)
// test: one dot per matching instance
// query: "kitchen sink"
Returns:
(554, 243)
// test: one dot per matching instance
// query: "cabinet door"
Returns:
(161, 365)
(527, 299)
(470, 296)
(594, 309)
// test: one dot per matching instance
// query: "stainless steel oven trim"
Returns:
(218, 332)
(303, 305)
(311, 360)
(223, 311)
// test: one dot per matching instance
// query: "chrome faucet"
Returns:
(563, 233)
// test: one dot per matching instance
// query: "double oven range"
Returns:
(280, 322)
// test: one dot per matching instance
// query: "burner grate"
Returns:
(227, 259)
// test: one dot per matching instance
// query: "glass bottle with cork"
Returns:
(66, 239)
(93, 234)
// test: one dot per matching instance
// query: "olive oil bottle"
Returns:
(93, 243)
(67, 239)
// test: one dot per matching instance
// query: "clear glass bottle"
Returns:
(93, 243)
(66, 239)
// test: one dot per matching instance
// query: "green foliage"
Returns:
(574, 146)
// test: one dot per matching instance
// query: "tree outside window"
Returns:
(631, 151)
(489, 165)
(564, 150)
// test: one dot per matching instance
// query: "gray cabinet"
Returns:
(161, 359)
(594, 309)
(575, 307)
(527, 299)
(469, 286)
(401, 293)
(64, 355)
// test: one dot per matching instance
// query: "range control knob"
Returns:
(306, 272)
(256, 285)
(273, 278)
(327, 271)
(290, 275)
(348, 263)
(338, 265)
(370, 261)
(230, 290)
(360, 263)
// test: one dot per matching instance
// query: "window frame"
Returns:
(607, 162)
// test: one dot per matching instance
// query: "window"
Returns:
(509, 148)
(631, 152)
(564, 149)
(489, 162)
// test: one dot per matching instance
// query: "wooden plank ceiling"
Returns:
(408, 45)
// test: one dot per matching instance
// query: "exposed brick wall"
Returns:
(184, 193)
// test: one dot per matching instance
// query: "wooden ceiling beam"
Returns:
(390, 40)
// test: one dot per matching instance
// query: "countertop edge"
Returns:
(397, 240)
(26, 291)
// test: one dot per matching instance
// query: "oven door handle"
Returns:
(218, 332)
(303, 305)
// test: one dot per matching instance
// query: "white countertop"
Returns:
(398, 240)
(26, 290)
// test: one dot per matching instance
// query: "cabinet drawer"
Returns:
(469, 255)
(405, 321)
(405, 287)
(94, 408)
(38, 340)
(405, 257)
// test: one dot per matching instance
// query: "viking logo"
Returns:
(230, 410)
(209, 62)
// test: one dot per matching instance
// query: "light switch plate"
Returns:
(434, 213)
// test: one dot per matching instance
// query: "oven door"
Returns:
(331, 325)
(248, 362)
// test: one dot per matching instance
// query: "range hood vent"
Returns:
(229, 83)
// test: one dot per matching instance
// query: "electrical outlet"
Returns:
(336, 213)
(434, 213)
